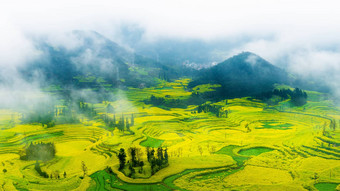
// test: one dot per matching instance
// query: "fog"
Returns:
(299, 36)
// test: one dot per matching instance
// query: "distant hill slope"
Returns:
(97, 62)
(98, 56)
(245, 74)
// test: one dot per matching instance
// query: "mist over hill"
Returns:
(88, 59)
(39, 47)
(92, 54)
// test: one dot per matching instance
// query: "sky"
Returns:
(301, 36)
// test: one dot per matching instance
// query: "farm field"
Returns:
(254, 147)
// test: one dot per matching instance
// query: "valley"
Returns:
(257, 146)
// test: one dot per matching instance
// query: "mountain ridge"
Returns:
(96, 55)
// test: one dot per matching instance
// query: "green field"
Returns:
(152, 142)
(254, 151)
(326, 186)
(256, 147)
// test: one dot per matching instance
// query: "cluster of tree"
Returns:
(122, 124)
(134, 162)
(136, 155)
(122, 158)
(197, 98)
(282, 93)
(40, 151)
(49, 116)
(40, 172)
(54, 174)
(333, 124)
(42, 114)
(215, 109)
(297, 96)
(65, 115)
(163, 75)
(110, 109)
(84, 168)
(247, 127)
(87, 109)
(157, 162)
(166, 102)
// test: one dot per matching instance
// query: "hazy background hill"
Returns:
(95, 56)
(90, 60)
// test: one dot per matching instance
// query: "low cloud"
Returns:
(301, 36)
(306, 55)
(252, 59)
(89, 59)
(16, 50)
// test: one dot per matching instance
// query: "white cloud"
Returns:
(15, 49)
(252, 59)
(305, 33)
(192, 18)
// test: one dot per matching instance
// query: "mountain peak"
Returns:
(247, 59)
(246, 53)
(242, 75)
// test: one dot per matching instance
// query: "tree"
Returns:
(160, 153)
(324, 132)
(166, 156)
(152, 154)
(132, 120)
(132, 151)
(132, 170)
(153, 166)
(84, 168)
(39, 151)
(200, 150)
(127, 125)
(120, 125)
(123, 122)
(122, 158)
(315, 177)
(156, 163)
(333, 124)
(298, 97)
(247, 127)
(56, 174)
(139, 154)
(148, 153)
(141, 164)
(109, 108)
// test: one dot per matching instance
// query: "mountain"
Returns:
(245, 74)
(96, 62)
(96, 57)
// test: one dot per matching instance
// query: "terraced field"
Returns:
(255, 148)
